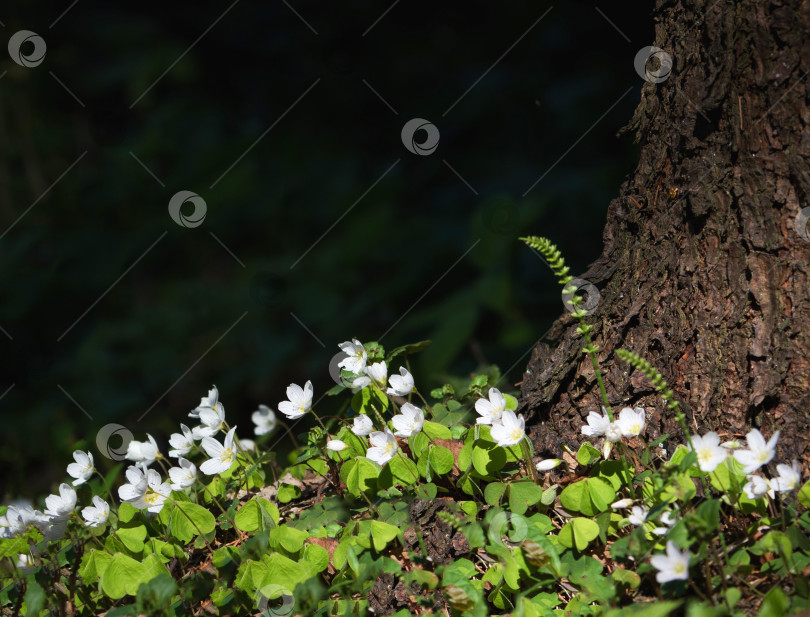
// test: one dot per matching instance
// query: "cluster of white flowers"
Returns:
(146, 490)
(52, 523)
(377, 374)
(408, 422)
(384, 446)
(710, 454)
(508, 429)
(631, 423)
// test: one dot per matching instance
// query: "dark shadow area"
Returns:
(320, 225)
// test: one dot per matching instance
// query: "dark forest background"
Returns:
(430, 250)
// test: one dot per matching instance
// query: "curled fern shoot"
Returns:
(639, 363)
(552, 256)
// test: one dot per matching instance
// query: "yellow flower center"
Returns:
(763, 456)
(390, 448)
(679, 568)
(516, 434)
(705, 455)
(151, 496)
(227, 455)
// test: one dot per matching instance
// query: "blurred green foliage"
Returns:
(162, 312)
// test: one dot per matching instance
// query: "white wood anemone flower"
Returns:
(265, 420)
(510, 430)
(409, 421)
(631, 422)
(384, 447)
(674, 566)
(356, 358)
(638, 515)
(548, 464)
(145, 490)
(402, 384)
(757, 487)
(135, 488)
(597, 425)
(622, 503)
(58, 507)
(788, 479)
(212, 420)
(143, 451)
(184, 476)
(299, 401)
(336, 445)
(377, 373)
(613, 432)
(17, 518)
(181, 443)
(759, 452)
(222, 455)
(206, 402)
(97, 514)
(362, 425)
(710, 452)
(246, 445)
(82, 469)
(668, 519)
(25, 563)
(491, 408)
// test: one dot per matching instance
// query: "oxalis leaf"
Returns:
(188, 519)
(122, 576)
(441, 459)
(282, 571)
(382, 534)
(132, 537)
(93, 565)
(578, 532)
(361, 475)
(434, 430)
(257, 514)
(522, 495)
(488, 458)
(587, 454)
(589, 496)
(288, 538)
(368, 399)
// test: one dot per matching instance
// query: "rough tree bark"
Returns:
(704, 271)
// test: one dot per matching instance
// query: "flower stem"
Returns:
(591, 349)
(526, 446)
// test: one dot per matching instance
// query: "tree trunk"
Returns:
(705, 270)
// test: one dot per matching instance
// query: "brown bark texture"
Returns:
(705, 269)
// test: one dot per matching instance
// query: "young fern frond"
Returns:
(639, 363)
(454, 520)
(552, 256)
